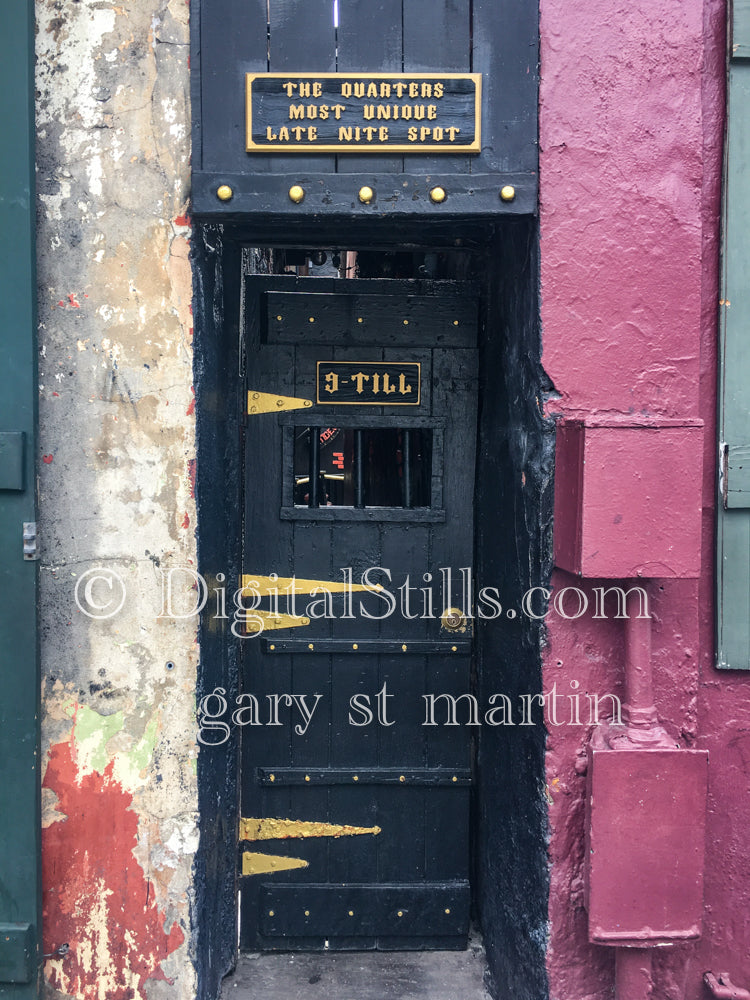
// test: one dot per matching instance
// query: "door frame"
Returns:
(514, 473)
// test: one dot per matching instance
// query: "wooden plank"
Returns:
(437, 36)
(232, 43)
(370, 39)
(302, 38)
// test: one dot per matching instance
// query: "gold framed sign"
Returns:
(369, 383)
(352, 112)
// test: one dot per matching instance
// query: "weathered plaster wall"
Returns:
(631, 134)
(115, 473)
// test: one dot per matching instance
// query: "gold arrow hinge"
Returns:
(269, 621)
(270, 402)
(281, 829)
(263, 586)
(262, 864)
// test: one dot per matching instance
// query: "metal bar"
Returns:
(313, 491)
(416, 646)
(359, 485)
(408, 502)
(350, 776)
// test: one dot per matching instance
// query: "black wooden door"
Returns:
(359, 460)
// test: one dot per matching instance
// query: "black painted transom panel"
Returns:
(378, 43)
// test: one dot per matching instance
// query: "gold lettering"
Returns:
(359, 90)
(399, 87)
(270, 134)
(387, 387)
(452, 133)
(323, 111)
(403, 388)
(296, 111)
(424, 133)
(419, 112)
(298, 130)
(385, 90)
(283, 134)
(412, 133)
(359, 379)
(337, 109)
(383, 133)
(368, 110)
(375, 384)
(317, 89)
(312, 110)
(432, 111)
(426, 90)
(332, 382)
(304, 90)
(370, 132)
(437, 90)
(413, 90)
(437, 134)
(346, 89)
(312, 133)
(406, 111)
(372, 90)
(384, 111)
(289, 88)
(345, 134)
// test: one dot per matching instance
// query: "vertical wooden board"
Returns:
(231, 35)
(424, 358)
(449, 746)
(401, 845)
(447, 847)
(302, 38)
(370, 39)
(505, 34)
(354, 859)
(437, 38)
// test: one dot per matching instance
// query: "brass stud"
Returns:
(278, 318)
(351, 913)
(355, 777)
(359, 319)
(454, 649)
(310, 646)
(447, 909)
(406, 322)
(271, 913)
(311, 319)
(307, 777)
(296, 193)
(454, 778)
(224, 192)
(400, 913)
(272, 646)
(437, 194)
(455, 321)
(403, 648)
(366, 194)
(401, 778)
(307, 913)
(507, 192)
(272, 777)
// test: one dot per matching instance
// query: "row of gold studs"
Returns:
(365, 194)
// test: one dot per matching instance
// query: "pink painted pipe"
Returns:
(633, 974)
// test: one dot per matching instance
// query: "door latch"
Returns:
(30, 548)
(453, 619)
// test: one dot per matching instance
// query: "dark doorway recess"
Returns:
(353, 470)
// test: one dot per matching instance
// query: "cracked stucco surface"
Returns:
(117, 451)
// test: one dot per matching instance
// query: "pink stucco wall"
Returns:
(632, 101)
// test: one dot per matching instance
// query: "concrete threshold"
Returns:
(360, 975)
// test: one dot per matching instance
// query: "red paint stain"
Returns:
(182, 220)
(191, 476)
(73, 301)
(191, 406)
(186, 521)
(95, 894)
(55, 393)
(47, 459)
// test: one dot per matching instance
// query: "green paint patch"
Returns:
(92, 732)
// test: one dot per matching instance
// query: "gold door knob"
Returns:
(453, 619)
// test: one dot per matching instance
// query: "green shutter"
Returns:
(733, 539)
(20, 890)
